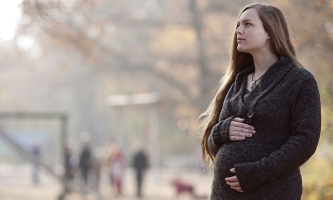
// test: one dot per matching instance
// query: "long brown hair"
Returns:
(275, 25)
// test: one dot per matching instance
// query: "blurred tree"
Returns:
(165, 39)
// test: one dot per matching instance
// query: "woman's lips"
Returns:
(240, 39)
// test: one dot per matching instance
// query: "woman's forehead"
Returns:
(249, 14)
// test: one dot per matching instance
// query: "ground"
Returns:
(16, 184)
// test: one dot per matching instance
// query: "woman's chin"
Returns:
(241, 49)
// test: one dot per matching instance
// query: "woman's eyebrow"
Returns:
(245, 20)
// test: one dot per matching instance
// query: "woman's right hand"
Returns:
(239, 131)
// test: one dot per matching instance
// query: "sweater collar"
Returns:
(269, 80)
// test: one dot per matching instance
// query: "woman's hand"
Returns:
(239, 131)
(233, 182)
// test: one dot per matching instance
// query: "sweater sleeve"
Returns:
(219, 135)
(300, 146)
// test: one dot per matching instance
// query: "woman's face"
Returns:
(251, 35)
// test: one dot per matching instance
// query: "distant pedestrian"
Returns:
(96, 165)
(36, 152)
(117, 168)
(85, 157)
(140, 165)
(69, 167)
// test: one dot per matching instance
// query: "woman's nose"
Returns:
(239, 30)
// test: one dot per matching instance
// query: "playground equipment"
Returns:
(150, 100)
(27, 154)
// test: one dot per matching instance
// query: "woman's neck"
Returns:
(263, 62)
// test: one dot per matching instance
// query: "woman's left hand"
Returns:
(233, 181)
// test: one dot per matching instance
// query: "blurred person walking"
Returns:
(264, 122)
(69, 162)
(117, 168)
(69, 166)
(36, 152)
(96, 165)
(140, 164)
(85, 157)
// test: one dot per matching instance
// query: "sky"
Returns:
(10, 14)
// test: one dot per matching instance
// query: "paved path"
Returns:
(15, 184)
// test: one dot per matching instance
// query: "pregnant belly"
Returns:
(231, 153)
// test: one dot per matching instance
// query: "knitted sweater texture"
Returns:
(284, 108)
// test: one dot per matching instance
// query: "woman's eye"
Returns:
(247, 24)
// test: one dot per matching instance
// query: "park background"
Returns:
(66, 57)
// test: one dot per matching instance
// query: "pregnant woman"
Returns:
(264, 121)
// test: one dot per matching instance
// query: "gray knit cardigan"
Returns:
(284, 108)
